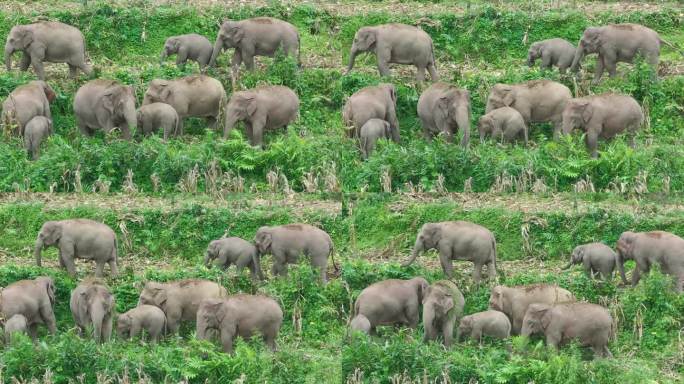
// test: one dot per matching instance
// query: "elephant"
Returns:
(538, 101)
(152, 117)
(33, 299)
(379, 101)
(259, 36)
(513, 301)
(15, 324)
(371, 132)
(92, 304)
(191, 96)
(240, 315)
(444, 108)
(179, 299)
(360, 324)
(488, 323)
(262, 108)
(26, 102)
(590, 324)
(79, 239)
(188, 47)
(36, 131)
(553, 53)
(142, 317)
(390, 302)
(396, 43)
(105, 104)
(649, 248)
(49, 41)
(604, 116)
(505, 123)
(596, 258)
(443, 306)
(287, 242)
(617, 43)
(458, 240)
(234, 250)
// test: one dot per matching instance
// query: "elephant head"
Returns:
(536, 319)
(455, 107)
(19, 39)
(212, 253)
(97, 304)
(437, 302)
(50, 234)
(154, 294)
(364, 41)
(263, 240)
(575, 258)
(485, 125)
(624, 248)
(171, 46)
(123, 326)
(242, 106)
(159, 91)
(230, 35)
(577, 113)
(533, 53)
(46, 283)
(465, 327)
(428, 238)
(502, 95)
(210, 315)
(118, 104)
(499, 300)
(589, 43)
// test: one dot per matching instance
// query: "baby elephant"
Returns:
(490, 323)
(591, 324)
(35, 131)
(371, 131)
(155, 116)
(188, 47)
(553, 53)
(142, 317)
(93, 305)
(234, 250)
(595, 257)
(442, 308)
(505, 123)
(15, 324)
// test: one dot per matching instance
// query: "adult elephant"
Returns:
(442, 309)
(33, 299)
(105, 104)
(444, 108)
(50, 41)
(650, 248)
(262, 108)
(287, 242)
(538, 101)
(379, 102)
(93, 305)
(79, 238)
(191, 96)
(396, 43)
(458, 240)
(616, 43)
(26, 102)
(259, 36)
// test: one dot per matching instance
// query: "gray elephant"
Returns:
(538, 101)
(360, 324)
(505, 123)
(93, 305)
(287, 242)
(390, 302)
(180, 299)
(240, 315)
(603, 116)
(143, 317)
(650, 248)
(445, 109)
(155, 116)
(590, 324)
(188, 47)
(616, 43)
(105, 104)
(26, 102)
(49, 41)
(458, 240)
(596, 258)
(234, 250)
(443, 306)
(379, 101)
(487, 323)
(191, 96)
(15, 324)
(553, 53)
(262, 108)
(36, 131)
(33, 299)
(79, 239)
(372, 131)
(396, 43)
(259, 36)
(513, 301)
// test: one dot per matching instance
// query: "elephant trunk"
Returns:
(9, 50)
(352, 58)
(621, 266)
(231, 120)
(131, 117)
(218, 46)
(579, 55)
(526, 330)
(417, 248)
(256, 259)
(530, 60)
(36, 251)
(428, 322)
(463, 122)
(207, 260)
(97, 316)
(202, 330)
(490, 106)
(163, 56)
(567, 126)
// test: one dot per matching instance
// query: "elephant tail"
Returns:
(674, 47)
(299, 51)
(332, 255)
(114, 255)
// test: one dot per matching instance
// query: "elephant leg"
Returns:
(546, 61)
(33, 331)
(610, 63)
(411, 313)
(135, 329)
(181, 58)
(383, 57)
(25, 62)
(173, 321)
(66, 254)
(433, 72)
(107, 329)
(635, 276)
(37, 57)
(227, 337)
(491, 270)
(477, 273)
(420, 74)
(445, 261)
(598, 72)
(279, 267)
(592, 141)
(248, 58)
(269, 336)
(476, 334)
(258, 131)
(448, 332)
(113, 268)
(235, 63)
(553, 340)
(48, 318)
(211, 122)
(83, 128)
(73, 71)
(99, 268)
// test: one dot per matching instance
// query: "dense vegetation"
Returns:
(166, 201)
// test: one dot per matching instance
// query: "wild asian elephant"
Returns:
(155, 116)
(372, 131)
(445, 109)
(553, 53)
(92, 304)
(36, 131)
(26, 102)
(487, 323)
(188, 47)
(234, 250)
(443, 306)
(13, 325)
(596, 258)
(649, 248)
(143, 317)
(505, 124)
(105, 104)
(33, 299)
(379, 102)
(49, 41)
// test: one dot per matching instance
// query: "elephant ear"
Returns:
(108, 101)
(369, 38)
(266, 240)
(587, 113)
(160, 297)
(509, 98)
(446, 302)
(579, 255)
(53, 232)
(251, 105)
(434, 233)
(26, 37)
(443, 106)
(392, 93)
(545, 317)
(83, 302)
(388, 130)
(176, 44)
(236, 34)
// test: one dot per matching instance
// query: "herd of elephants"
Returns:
(369, 114)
